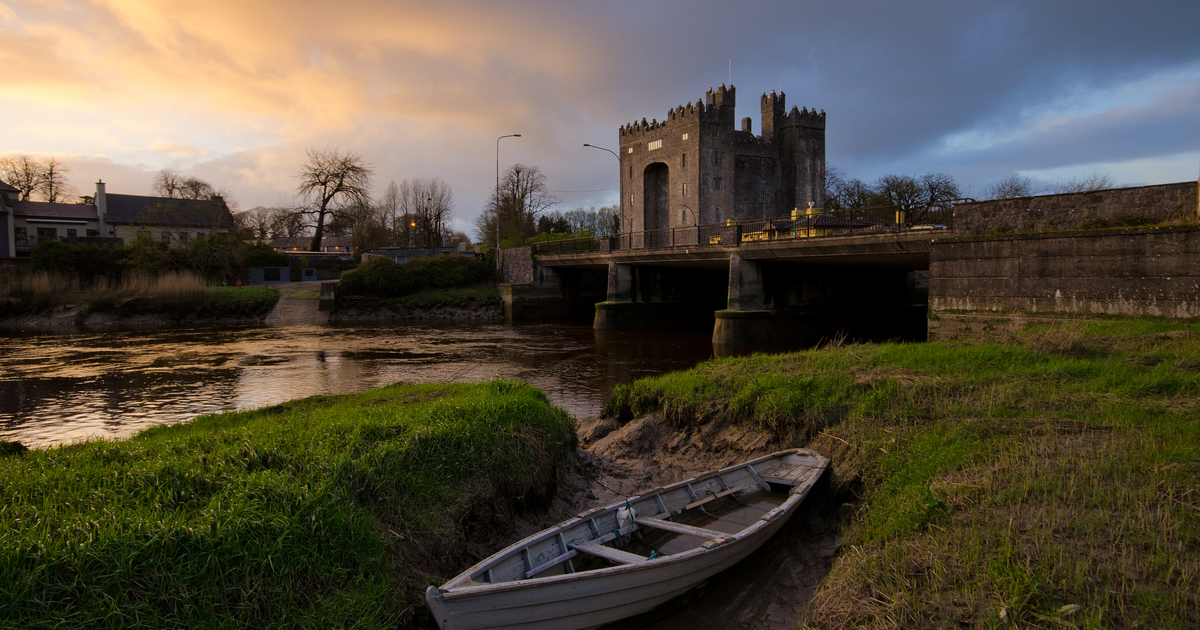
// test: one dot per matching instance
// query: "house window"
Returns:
(47, 233)
(143, 233)
(654, 146)
(685, 136)
(93, 233)
(20, 235)
(716, 183)
(716, 158)
(71, 233)
(166, 236)
(183, 237)
(683, 157)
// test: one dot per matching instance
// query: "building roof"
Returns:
(302, 242)
(138, 209)
(44, 210)
(4, 187)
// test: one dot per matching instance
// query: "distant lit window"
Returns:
(683, 189)
(654, 146)
(631, 149)
(685, 136)
(716, 183)
(631, 199)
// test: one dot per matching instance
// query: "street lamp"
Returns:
(620, 197)
(513, 135)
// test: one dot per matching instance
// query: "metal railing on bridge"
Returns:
(800, 224)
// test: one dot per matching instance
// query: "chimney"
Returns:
(101, 206)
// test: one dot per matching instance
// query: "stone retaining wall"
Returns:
(516, 264)
(1119, 207)
(1135, 272)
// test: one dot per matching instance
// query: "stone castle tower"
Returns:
(695, 167)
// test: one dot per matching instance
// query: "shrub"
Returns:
(84, 261)
(380, 277)
(261, 254)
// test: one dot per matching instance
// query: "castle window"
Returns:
(631, 170)
(716, 158)
(631, 149)
(683, 188)
(683, 216)
(717, 213)
(631, 199)
(685, 136)
(683, 156)
(716, 183)
(654, 146)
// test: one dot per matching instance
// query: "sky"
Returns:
(235, 91)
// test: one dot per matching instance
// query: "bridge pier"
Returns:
(555, 293)
(650, 298)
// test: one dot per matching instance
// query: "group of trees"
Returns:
(581, 221)
(1016, 185)
(46, 179)
(917, 197)
(334, 199)
(512, 211)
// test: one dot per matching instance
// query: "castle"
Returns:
(695, 168)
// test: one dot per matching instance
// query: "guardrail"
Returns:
(733, 233)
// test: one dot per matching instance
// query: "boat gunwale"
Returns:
(454, 589)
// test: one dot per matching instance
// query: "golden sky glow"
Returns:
(234, 91)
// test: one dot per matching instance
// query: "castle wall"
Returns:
(716, 172)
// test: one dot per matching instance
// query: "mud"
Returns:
(396, 314)
(69, 321)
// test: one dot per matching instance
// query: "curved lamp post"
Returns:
(620, 197)
(511, 135)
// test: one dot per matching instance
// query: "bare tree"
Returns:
(329, 176)
(522, 196)
(257, 221)
(23, 173)
(842, 193)
(1011, 187)
(389, 207)
(54, 186)
(168, 183)
(1085, 183)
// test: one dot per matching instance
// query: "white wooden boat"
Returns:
(603, 566)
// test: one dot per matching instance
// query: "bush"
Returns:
(380, 277)
(84, 261)
(261, 254)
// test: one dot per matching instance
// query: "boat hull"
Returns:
(589, 599)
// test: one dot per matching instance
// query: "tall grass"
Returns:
(175, 294)
(332, 511)
(1049, 479)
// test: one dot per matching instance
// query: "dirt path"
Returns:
(297, 305)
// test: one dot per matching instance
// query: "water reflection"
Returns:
(62, 388)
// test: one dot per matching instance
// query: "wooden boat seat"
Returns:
(608, 553)
(679, 528)
(714, 497)
(789, 474)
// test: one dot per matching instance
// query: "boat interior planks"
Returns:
(623, 559)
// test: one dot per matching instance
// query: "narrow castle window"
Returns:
(683, 216)
(717, 213)
(631, 149)
(685, 136)
(631, 170)
(716, 183)
(654, 146)
(683, 156)
(716, 158)
(683, 188)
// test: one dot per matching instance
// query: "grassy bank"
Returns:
(1051, 479)
(175, 295)
(469, 298)
(324, 512)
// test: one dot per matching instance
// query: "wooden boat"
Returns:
(627, 558)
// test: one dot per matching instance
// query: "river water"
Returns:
(56, 389)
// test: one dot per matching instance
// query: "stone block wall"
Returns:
(1134, 272)
(1142, 205)
(516, 264)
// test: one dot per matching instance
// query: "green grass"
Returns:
(210, 303)
(332, 511)
(472, 297)
(995, 482)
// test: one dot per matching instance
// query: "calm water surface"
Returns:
(62, 388)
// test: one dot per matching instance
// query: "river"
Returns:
(57, 389)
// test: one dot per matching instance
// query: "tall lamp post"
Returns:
(512, 135)
(620, 197)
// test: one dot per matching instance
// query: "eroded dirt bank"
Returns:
(766, 591)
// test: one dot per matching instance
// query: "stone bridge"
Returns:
(752, 284)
